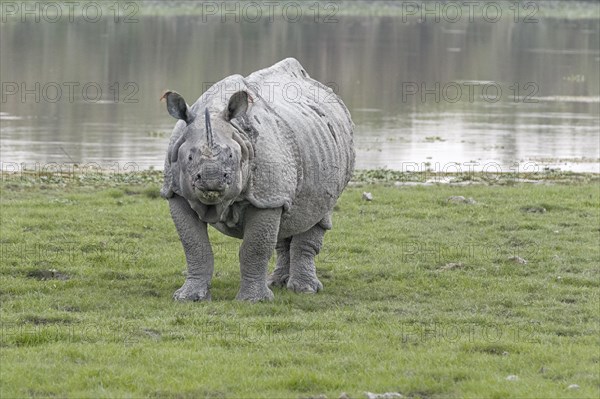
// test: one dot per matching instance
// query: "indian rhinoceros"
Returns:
(262, 158)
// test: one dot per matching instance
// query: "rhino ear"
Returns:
(238, 104)
(177, 107)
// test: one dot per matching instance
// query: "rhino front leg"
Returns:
(281, 274)
(198, 253)
(260, 236)
(303, 249)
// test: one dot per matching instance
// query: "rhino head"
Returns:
(212, 156)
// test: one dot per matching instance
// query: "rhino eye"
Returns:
(190, 158)
(230, 155)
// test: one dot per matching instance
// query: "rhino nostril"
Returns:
(226, 175)
(199, 176)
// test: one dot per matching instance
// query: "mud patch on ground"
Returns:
(47, 274)
(44, 320)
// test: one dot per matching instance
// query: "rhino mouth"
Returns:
(210, 197)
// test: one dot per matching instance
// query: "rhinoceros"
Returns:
(262, 158)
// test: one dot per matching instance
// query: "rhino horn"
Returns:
(209, 134)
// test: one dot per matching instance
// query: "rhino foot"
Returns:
(277, 279)
(260, 294)
(308, 286)
(192, 290)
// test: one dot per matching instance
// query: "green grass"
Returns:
(89, 265)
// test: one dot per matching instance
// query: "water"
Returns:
(547, 113)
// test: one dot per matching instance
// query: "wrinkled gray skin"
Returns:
(262, 158)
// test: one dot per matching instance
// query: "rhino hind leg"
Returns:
(281, 274)
(303, 249)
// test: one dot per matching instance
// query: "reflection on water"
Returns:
(424, 94)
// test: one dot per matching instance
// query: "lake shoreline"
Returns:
(153, 179)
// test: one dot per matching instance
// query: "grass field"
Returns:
(423, 297)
